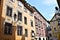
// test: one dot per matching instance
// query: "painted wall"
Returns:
(4, 18)
(41, 30)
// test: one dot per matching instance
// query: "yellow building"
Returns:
(16, 20)
(55, 26)
(55, 22)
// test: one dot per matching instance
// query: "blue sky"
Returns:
(45, 7)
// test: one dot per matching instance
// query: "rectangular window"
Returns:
(31, 23)
(32, 33)
(55, 29)
(9, 11)
(20, 16)
(26, 32)
(58, 22)
(39, 23)
(25, 20)
(19, 30)
(8, 29)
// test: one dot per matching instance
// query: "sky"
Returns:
(45, 7)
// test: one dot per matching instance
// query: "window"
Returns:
(32, 33)
(20, 3)
(19, 30)
(26, 32)
(9, 11)
(20, 16)
(37, 31)
(8, 29)
(25, 20)
(55, 29)
(31, 23)
(39, 23)
(50, 35)
(58, 22)
(15, 16)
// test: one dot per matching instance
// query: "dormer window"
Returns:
(20, 4)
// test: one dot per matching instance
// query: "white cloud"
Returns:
(49, 2)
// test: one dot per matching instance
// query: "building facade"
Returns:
(48, 31)
(40, 24)
(16, 20)
(55, 23)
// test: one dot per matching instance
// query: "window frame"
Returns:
(26, 32)
(31, 23)
(58, 22)
(9, 30)
(25, 20)
(9, 11)
(19, 30)
(32, 32)
(19, 16)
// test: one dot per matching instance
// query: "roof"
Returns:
(40, 14)
(31, 8)
(53, 17)
(27, 5)
(58, 1)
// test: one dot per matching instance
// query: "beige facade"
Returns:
(16, 6)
